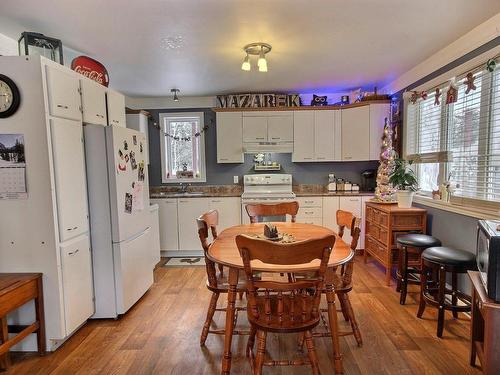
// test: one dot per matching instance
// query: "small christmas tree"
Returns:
(384, 191)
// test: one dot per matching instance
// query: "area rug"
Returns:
(185, 262)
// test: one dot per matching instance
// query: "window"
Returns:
(459, 142)
(182, 147)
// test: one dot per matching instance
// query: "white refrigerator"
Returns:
(118, 189)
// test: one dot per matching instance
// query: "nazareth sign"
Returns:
(91, 68)
(258, 100)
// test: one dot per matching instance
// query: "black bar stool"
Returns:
(436, 262)
(411, 243)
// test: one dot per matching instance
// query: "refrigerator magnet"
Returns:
(140, 147)
(120, 154)
(125, 145)
(140, 171)
(126, 158)
(122, 167)
(128, 203)
(134, 139)
(133, 163)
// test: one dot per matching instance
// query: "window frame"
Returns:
(163, 120)
(445, 167)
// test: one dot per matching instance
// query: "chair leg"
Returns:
(352, 319)
(404, 275)
(210, 314)
(398, 281)
(311, 352)
(261, 352)
(343, 307)
(423, 286)
(300, 341)
(4, 336)
(251, 340)
(454, 288)
(441, 295)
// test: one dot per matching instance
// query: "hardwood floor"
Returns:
(160, 335)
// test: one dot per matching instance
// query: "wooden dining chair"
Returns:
(343, 279)
(217, 283)
(283, 306)
(256, 211)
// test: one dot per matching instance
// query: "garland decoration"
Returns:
(187, 139)
(469, 81)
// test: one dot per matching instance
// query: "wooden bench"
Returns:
(16, 289)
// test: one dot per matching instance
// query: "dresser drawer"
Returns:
(407, 221)
(380, 218)
(369, 214)
(374, 248)
(310, 201)
(310, 212)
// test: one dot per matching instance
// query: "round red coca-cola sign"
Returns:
(91, 68)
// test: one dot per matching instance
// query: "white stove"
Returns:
(266, 189)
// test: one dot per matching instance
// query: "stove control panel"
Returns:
(267, 179)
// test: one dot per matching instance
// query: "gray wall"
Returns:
(222, 174)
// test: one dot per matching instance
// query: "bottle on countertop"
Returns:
(347, 186)
(355, 187)
(332, 185)
(340, 184)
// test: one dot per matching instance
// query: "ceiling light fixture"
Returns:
(175, 91)
(256, 49)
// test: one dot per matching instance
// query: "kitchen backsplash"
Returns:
(222, 174)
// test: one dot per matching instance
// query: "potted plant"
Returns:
(404, 180)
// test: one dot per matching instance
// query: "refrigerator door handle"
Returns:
(138, 235)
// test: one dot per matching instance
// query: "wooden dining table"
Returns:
(224, 251)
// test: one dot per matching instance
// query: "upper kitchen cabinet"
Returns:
(317, 135)
(254, 128)
(116, 108)
(63, 89)
(93, 102)
(356, 133)
(362, 130)
(378, 114)
(268, 131)
(138, 120)
(229, 137)
(280, 126)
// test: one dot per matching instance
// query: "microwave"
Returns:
(488, 256)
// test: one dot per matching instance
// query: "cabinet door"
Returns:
(229, 137)
(76, 266)
(330, 207)
(324, 135)
(70, 180)
(155, 237)
(116, 108)
(356, 133)
(254, 128)
(189, 210)
(63, 94)
(229, 209)
(303, 136)
(351, 204)
(168, 222)
(93, 102)
(280, 127)
(378, 114)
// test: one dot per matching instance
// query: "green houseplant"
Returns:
(404, 180)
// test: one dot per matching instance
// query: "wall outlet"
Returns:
(236, 179)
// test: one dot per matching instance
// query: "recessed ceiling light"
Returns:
(172, 42)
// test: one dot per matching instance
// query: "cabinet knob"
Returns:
(62, 106)
(74, 252)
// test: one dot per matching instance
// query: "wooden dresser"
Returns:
(383, 224)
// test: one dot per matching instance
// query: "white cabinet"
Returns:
(356, 133)
(330, 207)
(351, 204)
(310, 210)
(254, 129)
(78, 290)
(303, 136)
(280, 127)
(69, 174)
(188, 211)
(63, 93)
(317, 136)
(116, 108)
(378, 114)
(229, 137)
(155, 234)
(93, 102)
(229, 209)
(168, 224)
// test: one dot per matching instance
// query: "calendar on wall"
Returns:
(12, 167)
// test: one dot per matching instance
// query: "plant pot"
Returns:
(405, 198)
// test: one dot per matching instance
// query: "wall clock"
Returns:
(9, 97)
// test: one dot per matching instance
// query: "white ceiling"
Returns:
(318, 46)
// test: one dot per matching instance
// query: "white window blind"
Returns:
(461, 139)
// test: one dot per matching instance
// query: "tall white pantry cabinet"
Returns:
(48, 232)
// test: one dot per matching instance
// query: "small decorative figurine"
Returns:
(270, 231)
(451, 95)
(319, 100)
(470, 82)
(437, 95)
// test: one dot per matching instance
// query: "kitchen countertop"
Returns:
(214, 191)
